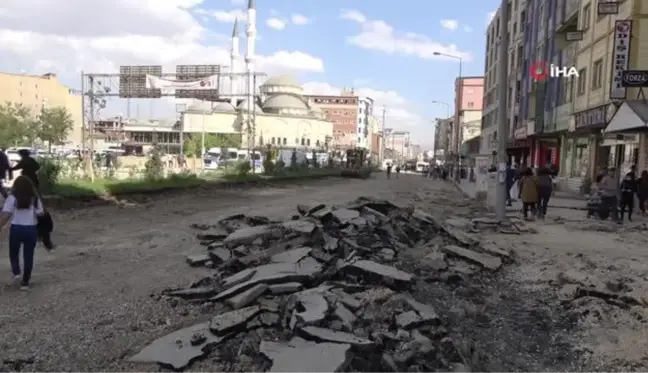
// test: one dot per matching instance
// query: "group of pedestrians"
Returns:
(618, 199)
(389, 170)
(535, 189)
(23, 207)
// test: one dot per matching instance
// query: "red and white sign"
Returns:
(621, 60)
(207, 83)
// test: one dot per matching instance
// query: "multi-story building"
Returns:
(343, 111)
(539, 106)
(365, 111)
(443, 137)
(469, 99)
(609, 45)
(516, 22)
(36, 92)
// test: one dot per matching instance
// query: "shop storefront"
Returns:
(583, 150)
(544, 147)
(519, 150)
(625, 135)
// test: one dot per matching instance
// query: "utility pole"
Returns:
(382, 137)
(503, 128)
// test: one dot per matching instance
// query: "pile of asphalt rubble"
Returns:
(320, 293)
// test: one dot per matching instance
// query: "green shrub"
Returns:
(154, 167)
(243, 168)
(48, 174)
(268, 167)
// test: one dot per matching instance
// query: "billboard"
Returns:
(132, 81)
(192, 73)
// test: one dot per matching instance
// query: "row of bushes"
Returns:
(55, 179)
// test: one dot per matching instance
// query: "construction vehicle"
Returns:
(355, 165)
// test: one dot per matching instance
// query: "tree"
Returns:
(17, 126)
(54, 125)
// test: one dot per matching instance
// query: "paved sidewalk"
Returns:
(560, 199)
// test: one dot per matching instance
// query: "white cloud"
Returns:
(65, 38)
(299, 19)
(467, 29)
(225, 16)
(276, 24)
(399, 113)
(449, 24)
(380, 36)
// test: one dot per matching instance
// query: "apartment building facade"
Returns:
(516, 22)
(365, 113)
(469, 100)
(36, 92)
(343, 111)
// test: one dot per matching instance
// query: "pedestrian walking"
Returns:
(5, 172)
(628, 191)
(642, 191)
(510, 180)
(29, 166)
(389, 169)
(545, 190)
(609, 193)
(528, 193)
(397, 171)
(22, 207)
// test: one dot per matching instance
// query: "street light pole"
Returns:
(456, 143)
(503, 128)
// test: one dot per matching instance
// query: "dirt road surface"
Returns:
(91, 304)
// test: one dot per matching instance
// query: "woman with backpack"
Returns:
(22, 208)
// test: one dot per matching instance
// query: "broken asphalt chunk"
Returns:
(232, 321)
(306, 356)
(176, 350)
(247, 297)
(372, 268)
(198, 260)
(329, 335)
(490, 262)
(248, 235)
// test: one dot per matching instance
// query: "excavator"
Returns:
(355, 165)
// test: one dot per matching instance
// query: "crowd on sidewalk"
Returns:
(608, 199)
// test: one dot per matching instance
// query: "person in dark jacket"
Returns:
(628, 191)
(642, 191)
(5, 172)
(29, 166)
(545, 190)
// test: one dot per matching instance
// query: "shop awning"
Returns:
(631, 117)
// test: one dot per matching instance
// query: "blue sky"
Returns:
(383, 49)
(378, 60)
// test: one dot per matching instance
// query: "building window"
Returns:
(317, 143)
(597, 74)
(307, 142)
(272, 141)
(582, 82)
(296, 141)
(586, 14)
(471, 104)
(285, 141)
(568, 90)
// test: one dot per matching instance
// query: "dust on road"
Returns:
(91, 302)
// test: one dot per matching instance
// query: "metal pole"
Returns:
(457, 126)
(202, 144)
(253, 95)
(503, 128)
(382, 139)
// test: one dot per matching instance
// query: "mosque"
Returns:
(277, 115)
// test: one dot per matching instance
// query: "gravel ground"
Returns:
(90, 305)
